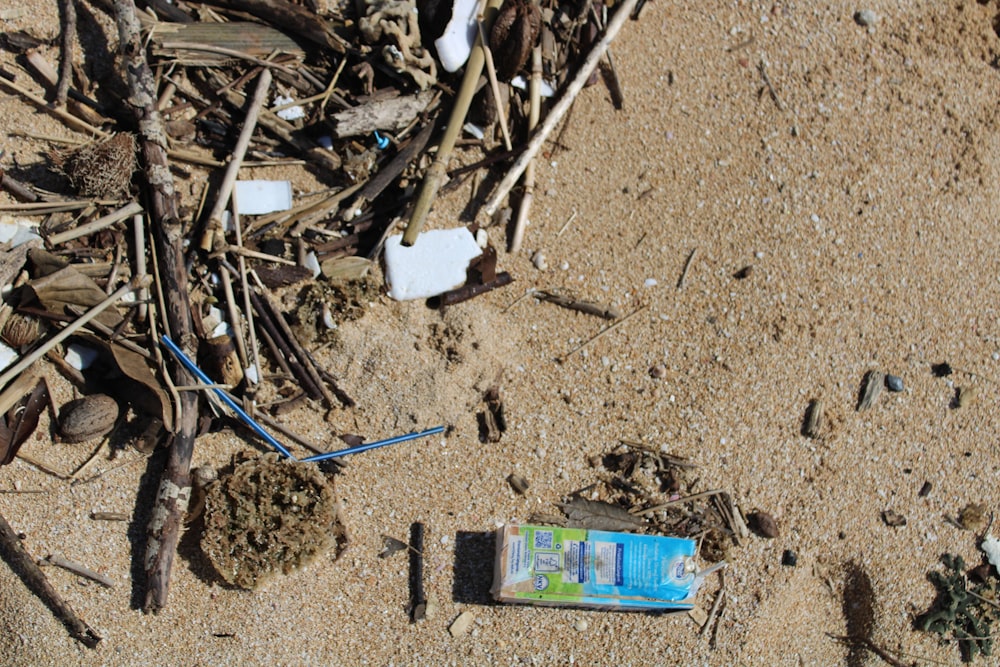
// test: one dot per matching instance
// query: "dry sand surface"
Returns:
(863, 193)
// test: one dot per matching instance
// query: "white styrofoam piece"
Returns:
(251, 374)
(17, 231)
(80, 357)
(436, 263)
(8, 355)
(455, 44)
(291, 113)
(545, 90)
(312, 263)
(261, 197)
(991, 547)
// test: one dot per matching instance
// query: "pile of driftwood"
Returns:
(358, 94)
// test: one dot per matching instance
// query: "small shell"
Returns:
(539, 260)
(87, 418)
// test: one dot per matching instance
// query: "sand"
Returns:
(862, 193)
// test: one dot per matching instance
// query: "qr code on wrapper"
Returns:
(543, 539)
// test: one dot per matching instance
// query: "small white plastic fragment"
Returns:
(482, 238)
(8, 355)
(473, 131)
(17, 231)
(436, 263)
(291, 113)
(991, 547)
(455, 45)
(250, 373)
(80, 357)
(261, 197)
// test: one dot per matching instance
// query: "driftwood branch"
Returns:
(175, 483)
(22, 563)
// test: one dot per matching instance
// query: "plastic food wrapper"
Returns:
(576, 567)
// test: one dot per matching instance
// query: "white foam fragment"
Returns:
(291, 113)
(991, 547)
(261, 197)
(545, 89)
(250, 373)
(474, 130)
(17, 231)
(80, 357)
(222, 329)
(8, 355)
(455, 44)
(436, 263)
(312, 263)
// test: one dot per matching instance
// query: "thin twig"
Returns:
(770, 86)
(601, 333)
(687, 266)
(69, 119)
(213, 228)
(59, 560)
(678, 501)
(561, 107)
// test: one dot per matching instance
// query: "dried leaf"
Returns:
(346, 268)
(392, 546)
(21, 422)
(595, 515)
(144, 392)
(69, 287)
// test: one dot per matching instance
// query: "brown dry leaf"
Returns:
(392, 546)
(69, 287)
(595, 515)
(21, 421)
(145, 393)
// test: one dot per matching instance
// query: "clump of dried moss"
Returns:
(100, 169)
(269, 516)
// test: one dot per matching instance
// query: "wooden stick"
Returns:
(68, 9)
(68, 331)
(80, 105)
(96, 225)
(491, 75)
(687, 266)
(21, 561)
(235, 321)
(535, 93)
(213, 228)
(561, 107)
(436, 172)
(175, 483)
(69, 119)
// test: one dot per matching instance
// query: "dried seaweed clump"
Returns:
(269, 516)
(962, 610)
(100, 169)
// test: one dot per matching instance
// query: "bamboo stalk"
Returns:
(96, 225)
(437, 171)
(561, 107)
(535, 92)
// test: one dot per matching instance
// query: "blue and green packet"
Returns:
(576, 567)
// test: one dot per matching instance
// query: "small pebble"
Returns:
(581, 625)
(539, 260)
(650, 282)
(894, 383)
(764, 524)
(866, 18)
(460, 625)
(789, 558)
(658, 371)
(941, 370)
(925, 490)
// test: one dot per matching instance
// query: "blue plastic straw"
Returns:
(373, 445)
(247, 419)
